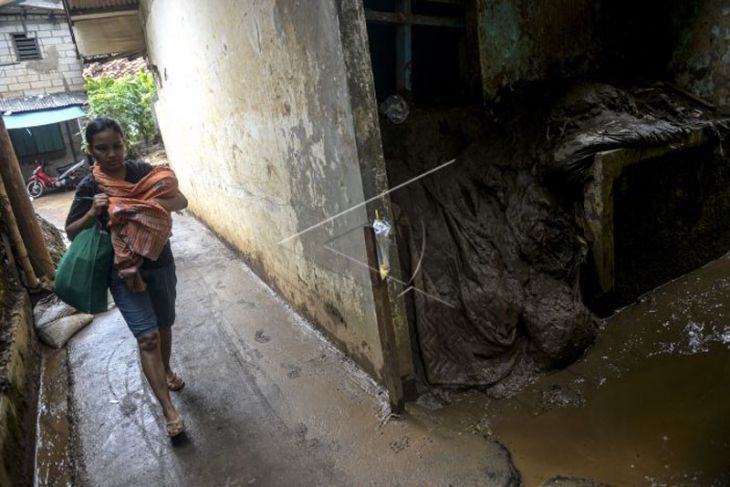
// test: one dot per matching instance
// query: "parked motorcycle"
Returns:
(68, 177)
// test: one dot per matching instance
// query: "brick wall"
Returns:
(58, 70)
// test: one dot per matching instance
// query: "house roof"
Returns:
(76, 7)
(41, 102)
(42, 117)
(32, 5)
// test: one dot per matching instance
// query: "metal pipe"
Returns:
(67, 11)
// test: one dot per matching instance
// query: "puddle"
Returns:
(648, 405)
(666, 422)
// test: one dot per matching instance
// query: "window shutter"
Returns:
(26, 47)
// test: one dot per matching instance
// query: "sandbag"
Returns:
(57, 333)
(50, 309)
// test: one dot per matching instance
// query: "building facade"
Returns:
(41, 84)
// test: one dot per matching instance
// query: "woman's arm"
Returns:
(176, 202)
(100, 202)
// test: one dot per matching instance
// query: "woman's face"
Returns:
(108, 150)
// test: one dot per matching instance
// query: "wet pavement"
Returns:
(267, 402)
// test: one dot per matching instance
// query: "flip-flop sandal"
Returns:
(175, 383)
(176, 427)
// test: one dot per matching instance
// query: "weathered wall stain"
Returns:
(702, 61)
(48, 63)
(522, 40)
(256, 117)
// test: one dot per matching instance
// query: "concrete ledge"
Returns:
(54, 459)
(598, 198)
(18, 394)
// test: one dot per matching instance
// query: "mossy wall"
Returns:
(18, 381)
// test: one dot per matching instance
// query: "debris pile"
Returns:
(502, 247)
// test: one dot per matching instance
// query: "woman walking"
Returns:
(134, 200)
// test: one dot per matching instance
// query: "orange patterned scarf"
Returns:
(140, 227)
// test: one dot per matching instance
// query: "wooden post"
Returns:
(391, 374)
(22, 208)
(404, 50)
(6, 212)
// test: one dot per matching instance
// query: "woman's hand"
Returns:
(100, 202)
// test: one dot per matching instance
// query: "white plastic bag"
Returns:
(382, 244)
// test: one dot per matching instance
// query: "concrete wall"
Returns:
(256, 114)
(525, 40)
(57, 71)
(701, 63)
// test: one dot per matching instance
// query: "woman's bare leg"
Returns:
(166, 348)
(151, 357)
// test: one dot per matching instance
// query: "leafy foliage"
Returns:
(128, 100)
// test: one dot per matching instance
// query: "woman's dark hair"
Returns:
(99, 125)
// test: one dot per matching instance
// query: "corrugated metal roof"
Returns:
(42, 4)
(19, 6)
(41, 102)
(42, 117)
(80, 6)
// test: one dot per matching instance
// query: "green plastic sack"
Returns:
(82, 277)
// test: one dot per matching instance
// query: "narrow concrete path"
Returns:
(267, 401)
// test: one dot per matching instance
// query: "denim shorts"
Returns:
(151, 309)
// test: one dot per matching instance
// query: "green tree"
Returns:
(128, 100)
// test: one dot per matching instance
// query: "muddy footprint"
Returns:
(293, 371)
(261, 338)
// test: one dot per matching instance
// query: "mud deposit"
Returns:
(54, 239)
(498, 251)
(648, 406)
(502, 236)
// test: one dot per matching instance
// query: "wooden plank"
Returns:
(412, 19)
(445, 2)
(404, 50)
(391, 370)
(104, 14)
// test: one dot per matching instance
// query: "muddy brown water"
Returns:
(663, 423)
(650, 403)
